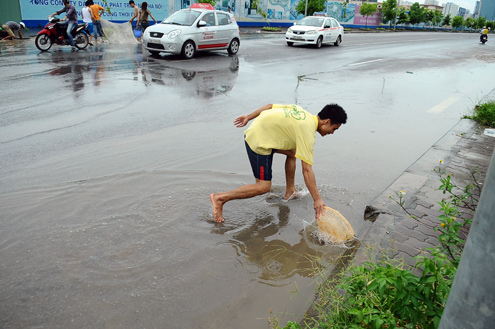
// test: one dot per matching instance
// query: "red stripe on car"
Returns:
(216, 45)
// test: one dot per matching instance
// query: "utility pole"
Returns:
(396, 13)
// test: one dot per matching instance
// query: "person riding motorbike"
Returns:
(71, 17)
(484, 34)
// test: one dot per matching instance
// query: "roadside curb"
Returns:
(389, 229)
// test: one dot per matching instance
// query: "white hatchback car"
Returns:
(315, 30)
(198, 28)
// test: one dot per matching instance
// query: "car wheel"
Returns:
(338, 41)
(319, 42)
(290, 43)
(188, 75)
(188, 50)
(233, 47)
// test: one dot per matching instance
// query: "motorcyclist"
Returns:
(71, 17)
(484, 34)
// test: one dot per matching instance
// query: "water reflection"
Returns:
(206, 77)
(73, 67)
(274, 260)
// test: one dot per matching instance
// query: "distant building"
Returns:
(477, 8)
(451, 9)
(431, 2)
(432, 7)
(488, 9)
(463, 12)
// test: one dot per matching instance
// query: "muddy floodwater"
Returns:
(108, 157)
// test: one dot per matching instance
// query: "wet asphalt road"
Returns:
(108, 155)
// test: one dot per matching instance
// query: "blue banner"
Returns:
(36, 12)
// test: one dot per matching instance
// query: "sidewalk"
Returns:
(390, 228)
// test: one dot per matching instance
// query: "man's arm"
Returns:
(310, 180)
(59, 12)
(20, 34)
(134, 15)
(243, 120)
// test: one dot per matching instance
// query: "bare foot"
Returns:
(291, 195)
(217, 208)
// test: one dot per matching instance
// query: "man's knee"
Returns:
(264, 186)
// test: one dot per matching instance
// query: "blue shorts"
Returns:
(261, 164)
(89, 26)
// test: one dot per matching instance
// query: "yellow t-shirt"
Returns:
(284, 127)
(485, 31)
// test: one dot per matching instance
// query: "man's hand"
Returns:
(319, 208)
(309, 179)
(241, 121)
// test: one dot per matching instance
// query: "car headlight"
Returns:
(289, 30)
(173, 34)
(311, 32)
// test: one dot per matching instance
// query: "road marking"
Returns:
(445, 104)
(361, 63)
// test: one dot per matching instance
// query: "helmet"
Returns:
(22, 25)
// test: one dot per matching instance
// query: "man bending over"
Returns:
(285, 129)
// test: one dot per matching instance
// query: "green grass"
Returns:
(271, 29)
(386, 293)
(484, 114)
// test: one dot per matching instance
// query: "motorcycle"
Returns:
(483, 38)
(54, 32)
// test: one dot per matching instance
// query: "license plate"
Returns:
(297, 37)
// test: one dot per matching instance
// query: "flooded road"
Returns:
(108, 156)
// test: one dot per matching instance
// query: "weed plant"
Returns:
(271, 28)
(484, 114)
(384, 292)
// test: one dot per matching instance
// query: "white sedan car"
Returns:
(198, 28)
(315, 30)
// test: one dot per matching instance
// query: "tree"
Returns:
(388, 11)
(446, 20)
(429, 15)
(344, 7)
(211, 2)
(416, 14)
(457, 22)
(481, 21)
(313, 5)
(469, 22)
(403, 16)
(490, 24)
(368, 9)
(437, 17)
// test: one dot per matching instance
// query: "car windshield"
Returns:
(310, 21)
(182, 17)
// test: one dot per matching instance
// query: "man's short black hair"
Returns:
(131, 2)
(334, 112)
